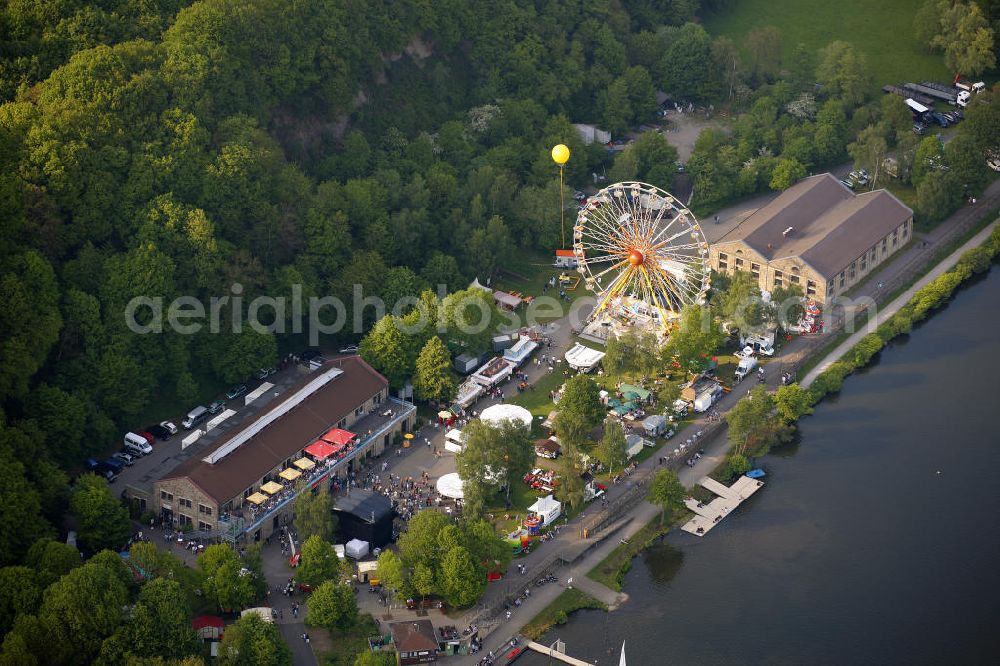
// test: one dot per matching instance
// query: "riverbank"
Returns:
(928, 292)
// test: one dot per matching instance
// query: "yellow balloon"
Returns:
(560, 154)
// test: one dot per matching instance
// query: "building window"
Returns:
(723, 256)
(778, 275)
(794, 279)
(895, 237)
(904, 230)
(885, 243)
(755, 270)
(184, 520)
(723, 266)
(811, 288)
(203, 526)
(739, 263)
(777, 281)
(829, 287)
(207, 510)
(164, 495)
(841, 280)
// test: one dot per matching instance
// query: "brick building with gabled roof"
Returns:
(817, 234)
(222, 486)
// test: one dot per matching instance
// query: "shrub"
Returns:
(866, 348)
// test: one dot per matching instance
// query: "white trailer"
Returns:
(916, 107)
(494, 371)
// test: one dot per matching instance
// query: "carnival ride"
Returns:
(642, 251)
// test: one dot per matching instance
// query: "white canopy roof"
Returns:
(450, 485)
(548, 508)
(583, 358)
(496, 414)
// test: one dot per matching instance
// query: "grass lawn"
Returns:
(611, 571)
(881, 30)
(537, 401)
(558, 611)
(341, 648)
(528, 275)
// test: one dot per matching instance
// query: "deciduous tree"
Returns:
(611, 451)
(253, 641)
(314, 514)
(666, 491)
(332, 605)
(103, 520)
(460, 580)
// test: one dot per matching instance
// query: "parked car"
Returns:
(216, 406)
(101, 469)
(993, 163)
(169, 426)
(307, 355)
(136, 445)
(847, 182)
(264, 373)
(159, 432)
(919, 128)
(115, 465)
(125, 458)
(195, 416)
(148, 436)
(236, 392)
(940, 119)
(349, 349)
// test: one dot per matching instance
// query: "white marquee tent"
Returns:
(450, 485)
(496, 414)
(582, 358)
(548, 509)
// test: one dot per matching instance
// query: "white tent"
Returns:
(496, 414)
(450, 485)
(583, 358)
(356, 549)
(454, 441)
(548, 509)
(263, 611)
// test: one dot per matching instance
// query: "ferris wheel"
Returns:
(641, 250)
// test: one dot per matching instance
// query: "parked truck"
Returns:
(926, 100)
(938, 91)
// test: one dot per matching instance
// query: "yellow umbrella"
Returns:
(304, 463)
(271, 488)
(290, 474)
(408, 435)
(257, 498)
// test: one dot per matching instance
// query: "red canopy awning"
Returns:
(321, 450)
(339, 436)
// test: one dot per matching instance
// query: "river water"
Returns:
(874, 541)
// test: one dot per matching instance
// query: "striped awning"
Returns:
(304, 463)
(290, 474)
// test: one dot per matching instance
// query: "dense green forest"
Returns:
(170, 147)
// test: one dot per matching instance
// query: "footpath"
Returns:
(892, 308)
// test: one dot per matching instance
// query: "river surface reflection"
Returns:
(875, 540)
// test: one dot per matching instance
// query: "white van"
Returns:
(137, 443)
(195, 416)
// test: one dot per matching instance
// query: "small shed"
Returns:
(565, 259)
(367, 570)
(415, 641)
(465, 363)
(547, 508)
(655, 425)
(633, 445)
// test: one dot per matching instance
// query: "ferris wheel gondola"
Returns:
(638, 247)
